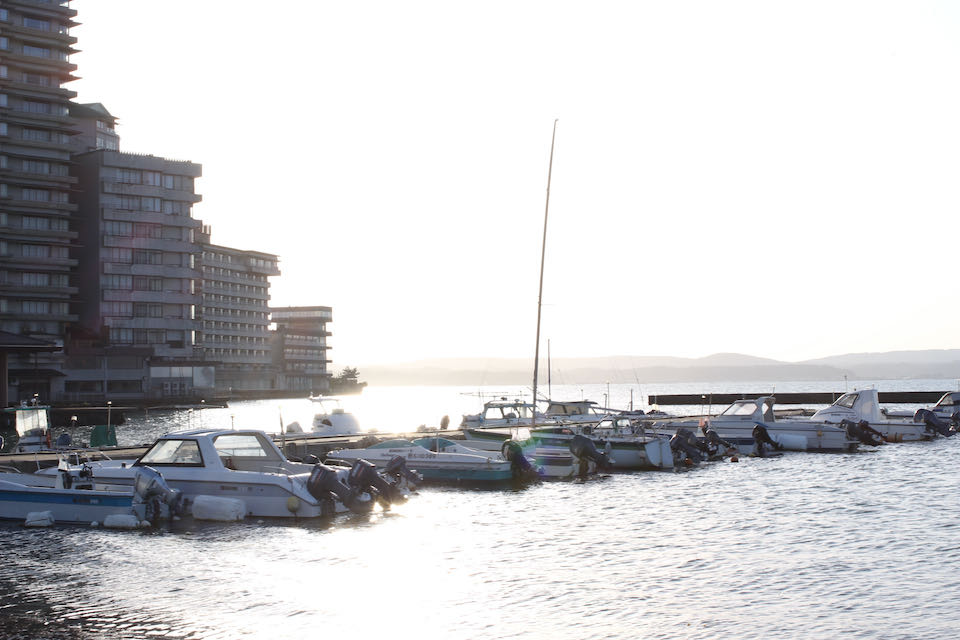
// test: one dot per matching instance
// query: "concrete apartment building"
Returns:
(36, 234)
(103, 263)
(300, 348)
(236, 317)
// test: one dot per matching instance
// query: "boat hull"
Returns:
(80, 506)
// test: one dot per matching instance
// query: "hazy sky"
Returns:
(772, 178)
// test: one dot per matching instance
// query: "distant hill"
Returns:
(720, 367)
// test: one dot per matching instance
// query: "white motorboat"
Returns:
(32, 422)
(630, 445)
(435, 459)
(864, 406)
(247, 466)
(75, 496)
(736, 424)
(945, 408)
(576, 411)
(503, 413)
(332, 420)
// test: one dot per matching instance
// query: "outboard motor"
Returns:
(64, 440)
(519, 464)
(586, 451)
(714, 442)
(762, 440)
(934, 423)
(150, 488)
(684, 445)
(324, 483)
(398, 470)
(862, 431)
(363, 477)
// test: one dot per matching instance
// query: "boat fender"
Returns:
(293, 504)
(207, 507)
(39, 519)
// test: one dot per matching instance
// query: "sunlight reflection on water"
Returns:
(806, 545)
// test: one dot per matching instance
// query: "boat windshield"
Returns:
(511, 411)
(847, 401)
(241, 445)
(949, 399)
(740, 409)
(174, 451)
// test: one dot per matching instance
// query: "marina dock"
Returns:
(820, 397)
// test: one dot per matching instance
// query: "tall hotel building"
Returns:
(139, 271)
(236, 317)
(36, 234)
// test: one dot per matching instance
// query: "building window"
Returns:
(36, 135)
(36, 79)
(115, 228)
(118, 254)
(116, 281)
(152, 178)
(36, 52)
(35, 107)
(36, 279)
(35, 306)
(5, 43)
(147, 257)
(35, 195)
(129, 176)
(121, 309)
(110, 144)
(33, 23)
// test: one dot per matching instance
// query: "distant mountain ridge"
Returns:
(719, 367)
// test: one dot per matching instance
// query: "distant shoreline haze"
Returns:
(723, 367)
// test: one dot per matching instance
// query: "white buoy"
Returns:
(39, 519)
(217, 508)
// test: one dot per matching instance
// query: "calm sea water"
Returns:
(863, 545)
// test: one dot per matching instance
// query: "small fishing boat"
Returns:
(629, 443)
(436, 459)
(246, 466)
(75, 496)
(738, 422)
(504, 413)
(859, 407)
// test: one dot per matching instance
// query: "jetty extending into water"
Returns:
(813, 397)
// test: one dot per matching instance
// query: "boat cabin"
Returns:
(233, 450)
(507, 410)
(947, 404)
(856, 405)
(577, 409)
(749, 410)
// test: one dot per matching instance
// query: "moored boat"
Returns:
(736, 424)
(248, 467)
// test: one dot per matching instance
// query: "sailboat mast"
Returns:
(543, 253)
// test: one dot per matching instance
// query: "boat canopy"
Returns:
(29, 419)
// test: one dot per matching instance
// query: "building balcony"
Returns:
(168, 297)
(154, 217)
(124, 188)
(34, 263)
(156, 270)
(126, 160)
(54, 293)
